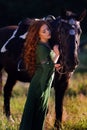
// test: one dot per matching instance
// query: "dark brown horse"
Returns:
(66, 32)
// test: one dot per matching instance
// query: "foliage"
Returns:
(82, 67)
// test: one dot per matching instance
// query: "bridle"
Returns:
(60, 71)
(73, 31)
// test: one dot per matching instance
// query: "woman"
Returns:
(40, 66)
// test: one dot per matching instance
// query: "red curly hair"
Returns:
(32, 39)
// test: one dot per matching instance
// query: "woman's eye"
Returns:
(48, 29)
(44, 31)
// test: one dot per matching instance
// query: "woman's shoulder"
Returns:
(42, 49)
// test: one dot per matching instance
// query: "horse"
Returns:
(66, 32)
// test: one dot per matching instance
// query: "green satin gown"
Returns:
(39, 91)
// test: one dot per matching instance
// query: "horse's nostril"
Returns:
(71, 64)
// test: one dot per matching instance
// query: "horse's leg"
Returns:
(7, 94)
(60, 86)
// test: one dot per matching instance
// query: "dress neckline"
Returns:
(45, 44)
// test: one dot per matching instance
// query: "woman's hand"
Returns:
(57, 53)
(57, 66)
(56, 50)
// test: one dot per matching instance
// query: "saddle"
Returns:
(14, 45)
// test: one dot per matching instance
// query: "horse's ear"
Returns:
(49, 18)
(82, 15)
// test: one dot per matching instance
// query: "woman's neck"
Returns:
(45, 44)
(44, 41)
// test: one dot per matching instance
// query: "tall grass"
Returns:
(74, 108)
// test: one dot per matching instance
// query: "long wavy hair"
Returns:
(32, 39)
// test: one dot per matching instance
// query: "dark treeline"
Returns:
(11, 12)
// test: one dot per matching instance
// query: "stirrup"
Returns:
(20, 66)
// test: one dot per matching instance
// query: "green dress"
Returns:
(39, 91)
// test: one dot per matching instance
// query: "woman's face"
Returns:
(44, 33)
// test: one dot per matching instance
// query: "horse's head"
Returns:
(67, 32)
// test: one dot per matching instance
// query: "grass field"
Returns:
(74, 108)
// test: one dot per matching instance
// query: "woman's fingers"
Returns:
(56, 49)
(57, 66)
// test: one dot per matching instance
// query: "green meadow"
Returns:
(74, 105)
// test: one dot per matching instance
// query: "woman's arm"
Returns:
(56, 57)
(56, 52)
